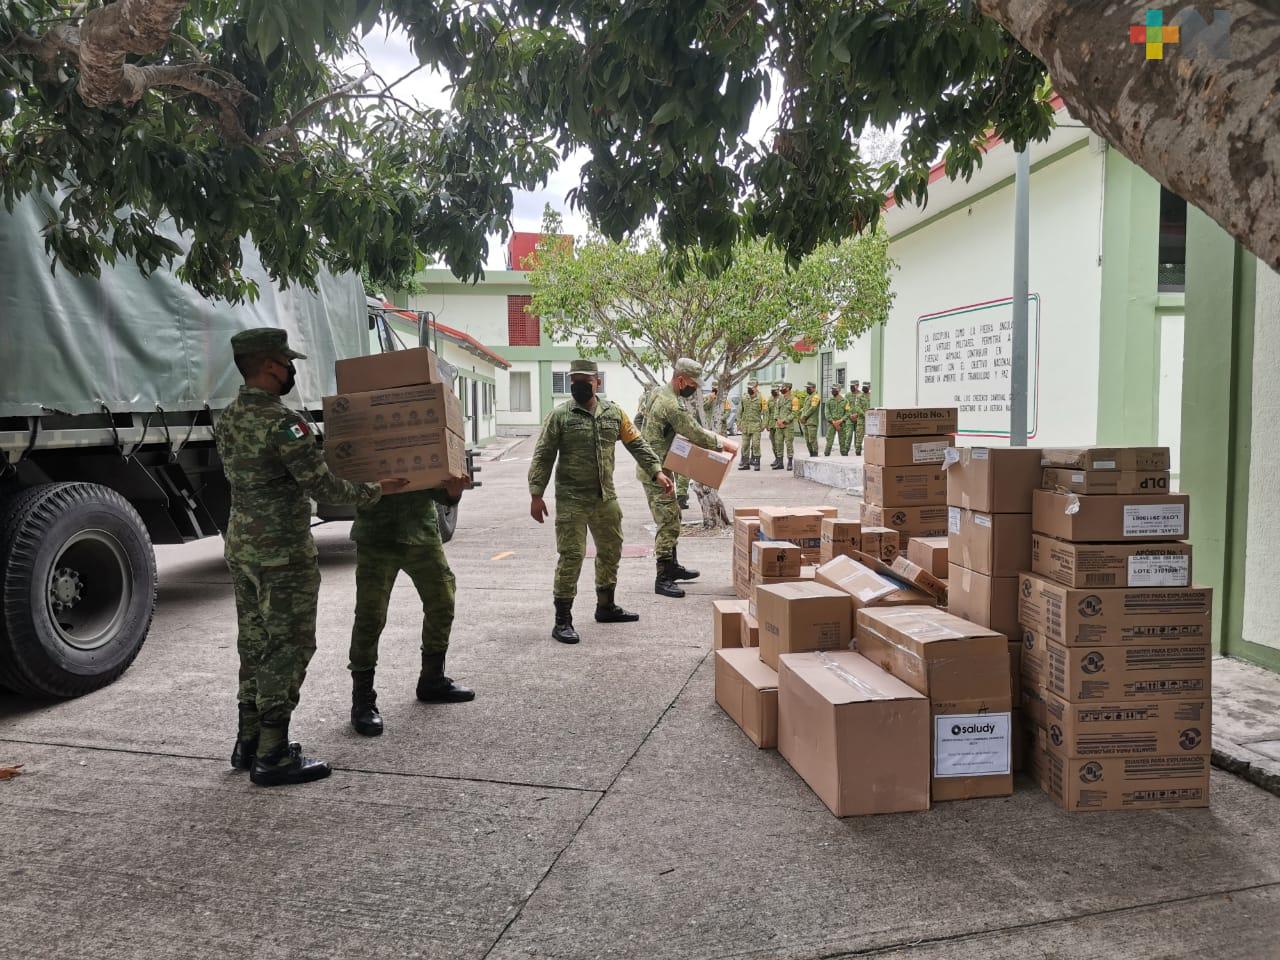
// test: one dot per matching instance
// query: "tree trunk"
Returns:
(714, 512)
(1203, 121)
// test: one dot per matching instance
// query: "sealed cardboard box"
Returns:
(758, 581)
(800, 617)
(990, 601)
(384, 412)
(1086, 519)
(1082, 617)
(1034, 662)
(1131, 728)
(994, 544)
(1106, 481)
(858, 736)
(707, 467)
(746, 530)
(1130, 672)
(1166, 564)
(426, 458)
(841, 537)
(904, 486)
(750, 632)
(867, 587)
(906, 451)
(963, 668)
(1034, 706)
(791, 523)
(1082, 784)
(747, 691)
(1107, 458)
(775, 558)
(920, 578)
(880, 542)
(922, 521)
(386, 371)
(993, 479)
(726, 623)
(930, 553)
(911, 421)
(828, 513)
(745, 512)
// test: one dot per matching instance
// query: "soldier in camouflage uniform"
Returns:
(839, 414)
(788, 414)
(775, 433)
(667, 418)
(752, 410)
(582, 434)
(402, 532)
(810, 408)
(274, 470)
(861, 406)
(682, 482)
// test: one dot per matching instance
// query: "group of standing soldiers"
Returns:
(785, 413)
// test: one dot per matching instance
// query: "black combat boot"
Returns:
(563, 630)
(665, 585)
(435, 687)
(755, 462)
(777, 463)
(609, 612)
(791, 463)
(283, 764)
(745, 464)
(679, 572)
(683, 501)
(365, 718)
(246, 747)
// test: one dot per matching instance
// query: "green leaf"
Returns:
(666, 113)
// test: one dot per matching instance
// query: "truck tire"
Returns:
(448, 517)
(77, 589)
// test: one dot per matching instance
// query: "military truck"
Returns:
(109, 391)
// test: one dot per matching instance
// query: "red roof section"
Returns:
(458, 336)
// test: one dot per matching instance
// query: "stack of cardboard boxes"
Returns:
(1116, 638)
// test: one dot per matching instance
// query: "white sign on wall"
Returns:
(964, 357)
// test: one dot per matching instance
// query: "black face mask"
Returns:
(751, 391)
(835, 393)
(688, 391)
(290, 381)
(582, 391)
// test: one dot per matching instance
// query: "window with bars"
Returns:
(523, 328)
(560, 382)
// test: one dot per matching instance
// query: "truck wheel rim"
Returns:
(89, 589)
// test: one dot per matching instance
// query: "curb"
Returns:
(1259, 770)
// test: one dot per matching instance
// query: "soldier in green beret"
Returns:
(275, 469)
(752, 411)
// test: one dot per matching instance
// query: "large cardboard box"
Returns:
(726, 623)
(880, 542)
(904, 486)
(1034, 662)
(386, 371)
(747, 691)
(1130, 672)
(758, 581)
(867, 587)
(923, 521)
(384, 412)
(745, 512)
(995, 544)
(799, 617)
(707, 467)
(1107, 458)
(989, 601)
(746, 531)
(1076, 617)
(775, 558)
(858, 736)
(841, 537)
(751, 633)
(920, 578)
(426, 458)
(741, 574)
(1034, 706)
(930, 553)
(1106, 481)
(963, 669)
(1130, 728)
(993, 479)
(906, 451)
(791, 523)
(1082, 784)
(912, 421)
(1087, 519)
(1166, 564)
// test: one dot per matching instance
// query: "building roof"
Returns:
(461, 338)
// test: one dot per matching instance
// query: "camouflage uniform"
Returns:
(667, 418)
(775, 433)
(646, 399)
(810, 406)
(839, 413)
(752, 411)
(788, 413)
(861, 404)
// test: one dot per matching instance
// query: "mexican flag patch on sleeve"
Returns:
(298, 430)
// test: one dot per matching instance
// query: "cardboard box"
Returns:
(386, 371)
(707, 467)
(1037, 757)
(920, 578)
(746, 531)
(989, 601)
(1107, 458)
(904, 486)
(775, 558)
(1034, 662)
(746, 512)
(923, 521)
(912, 421)
(742, 574)
(841, 537)
(963, 669)
(1034, 706)
(994, 544)
(1131, 728)
(1105, 481)
(828, 513)
(1130, 672)
(867, 587)
(858, 736)
(1076, 617)
(930, 553)
(747, 691)
(384, 412)
(750, 633)
(1127, 783)
(1115, 519)
(993, 479)
(880, 542)
(726, 623)
(1018, 753)
(800, 617)
(1166, 564)
(791, 523)
(425, 458)
(758, 581)
(1015, 672)
(906, 451)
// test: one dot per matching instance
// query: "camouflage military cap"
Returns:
(689, 368)
(810, 385)
(264, 340)
(753, 383)
(584, 366)
(784, 386)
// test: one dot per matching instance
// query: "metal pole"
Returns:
(1021, 234)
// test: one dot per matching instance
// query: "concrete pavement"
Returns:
(592, 802)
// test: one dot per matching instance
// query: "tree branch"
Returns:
(290, 126)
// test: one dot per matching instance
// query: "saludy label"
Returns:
(971, 744)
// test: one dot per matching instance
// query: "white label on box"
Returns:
(1155, 520)
(971, 744)
(1104, 464)
(982, 520)
(681, 446)
(933, 452)
(1077, 478)
(719, 457)
(980, 453)
(1153, 571)
(953, 519)
(874, 424)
